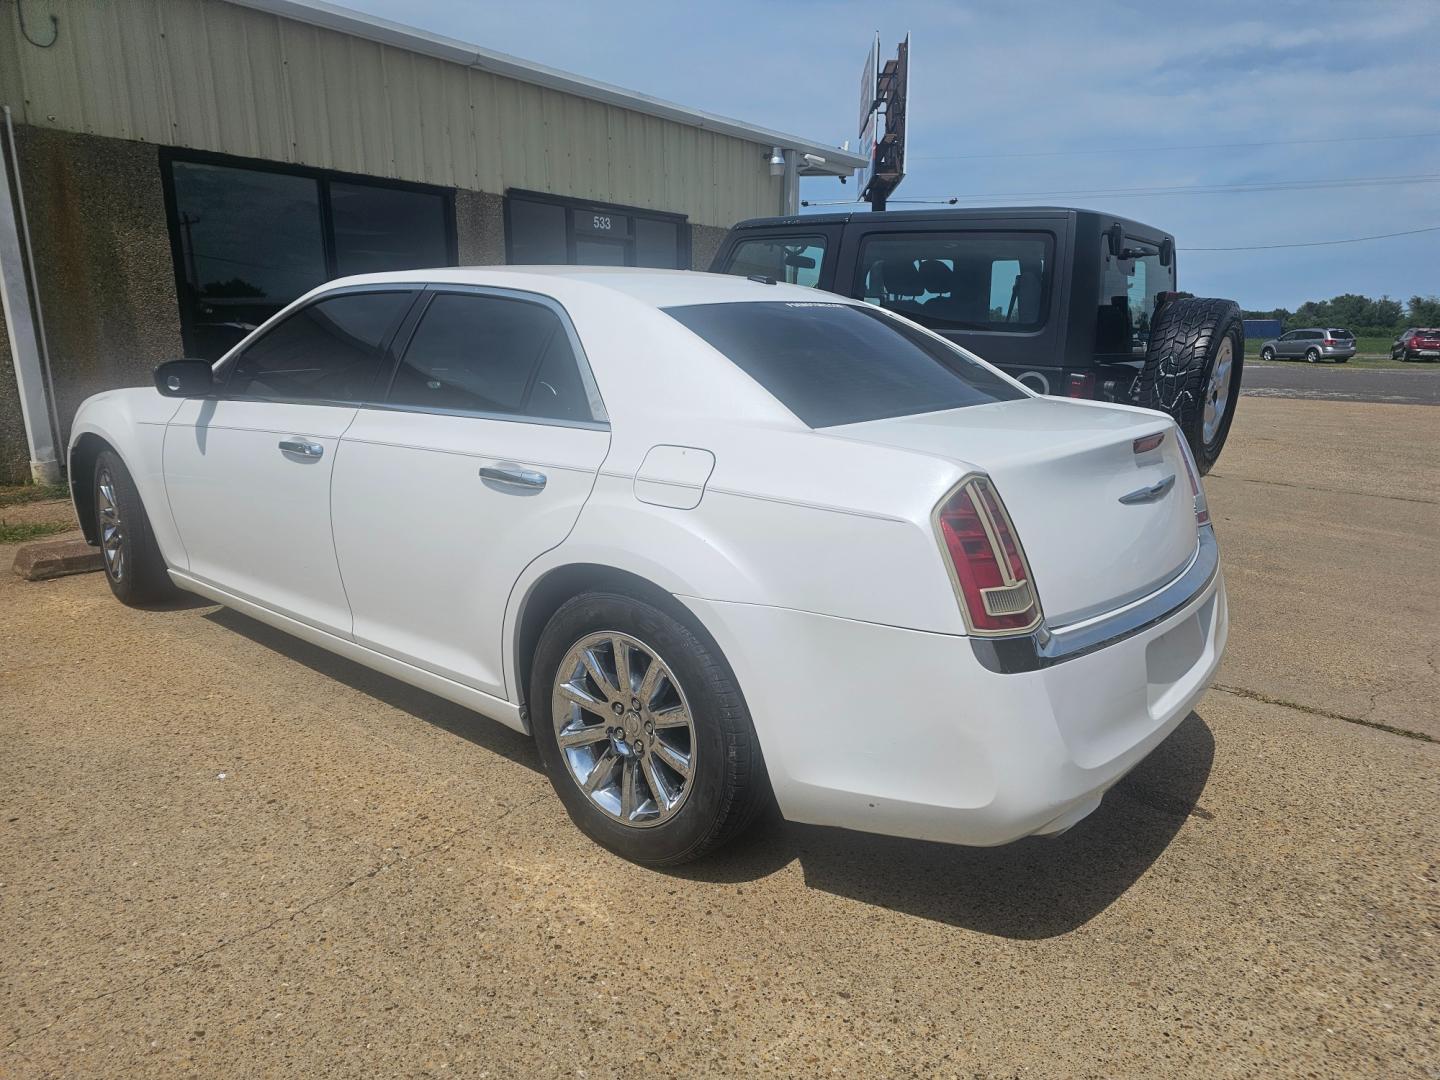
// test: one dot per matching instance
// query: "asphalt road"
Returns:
(226, 853)
(1419, 385)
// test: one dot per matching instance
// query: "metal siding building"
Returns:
(128, 89)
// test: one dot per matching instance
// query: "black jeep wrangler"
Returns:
(1070, 302)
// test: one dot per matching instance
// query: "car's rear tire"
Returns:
(1312, 356)
(134, 567)
(1267, 354)
(660, 764)
(1192, 371)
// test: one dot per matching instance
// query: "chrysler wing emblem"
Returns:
(1149, 494)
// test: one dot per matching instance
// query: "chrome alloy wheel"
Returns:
(1217, 394)
(624, 728)
(112, 528)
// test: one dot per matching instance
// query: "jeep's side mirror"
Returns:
(1167, 252)
(1115, 239)
(185, 378)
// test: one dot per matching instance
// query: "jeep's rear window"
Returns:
(843, 364)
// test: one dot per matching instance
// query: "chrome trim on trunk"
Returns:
(1048, 645)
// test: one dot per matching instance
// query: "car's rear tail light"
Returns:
(1146, 443)
(1081, 385)
(987, 564)
(1202, 508)
(1328, 341)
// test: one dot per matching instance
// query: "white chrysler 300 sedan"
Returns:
(708, 538)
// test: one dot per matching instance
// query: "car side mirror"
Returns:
(185, 378)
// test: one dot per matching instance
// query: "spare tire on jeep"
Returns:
(1192, 370)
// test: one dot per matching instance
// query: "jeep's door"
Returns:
(798, 253)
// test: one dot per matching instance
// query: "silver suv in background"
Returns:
(1313, 344)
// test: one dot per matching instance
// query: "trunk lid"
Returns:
(1062, 468)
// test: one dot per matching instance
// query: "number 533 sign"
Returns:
(601, 223)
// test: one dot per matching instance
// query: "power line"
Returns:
(1166, 149)
(1318, 243)
(1181, 189)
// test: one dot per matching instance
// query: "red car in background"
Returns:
(1413, 344)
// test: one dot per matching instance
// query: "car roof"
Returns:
(655, 288)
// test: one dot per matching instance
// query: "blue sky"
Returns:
(998, 83)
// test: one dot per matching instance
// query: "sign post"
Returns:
(883, 123)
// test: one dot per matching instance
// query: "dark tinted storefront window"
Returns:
(248, 241)
(251, 241)
(553, 231)
(379, 229)
(841, 364)
(537, 233)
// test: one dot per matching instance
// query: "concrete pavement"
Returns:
(1415, 385)
(226, 853)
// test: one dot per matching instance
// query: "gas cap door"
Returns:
(674, 476)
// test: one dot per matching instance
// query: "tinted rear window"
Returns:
(1341, 333)
(842, 364)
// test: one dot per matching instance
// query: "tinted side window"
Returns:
(796, 259)
(841, 363)
(327, 351)
(960, 280)
(491, 354)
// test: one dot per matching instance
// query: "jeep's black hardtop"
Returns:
(1045, 292)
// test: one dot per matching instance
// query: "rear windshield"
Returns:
(842, 364)
(1341, 333)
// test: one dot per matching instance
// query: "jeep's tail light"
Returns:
(1202, 508)
(987, 564)
(1081, 385)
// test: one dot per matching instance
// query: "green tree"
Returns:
(1424, 311)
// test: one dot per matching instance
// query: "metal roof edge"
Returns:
(357, 24)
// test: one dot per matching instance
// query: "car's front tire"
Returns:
(643, 730)
(1267, 354)
(134, 566)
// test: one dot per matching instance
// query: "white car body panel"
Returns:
(429, 550)
(810, 556)
(1063, 467)
(255, 519)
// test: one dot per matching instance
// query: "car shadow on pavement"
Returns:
(471, 726)
(1039, 887)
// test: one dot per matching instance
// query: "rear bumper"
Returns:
(908, 733)
(1337, 352)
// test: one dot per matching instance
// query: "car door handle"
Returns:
(514, 476)
(302, 447)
